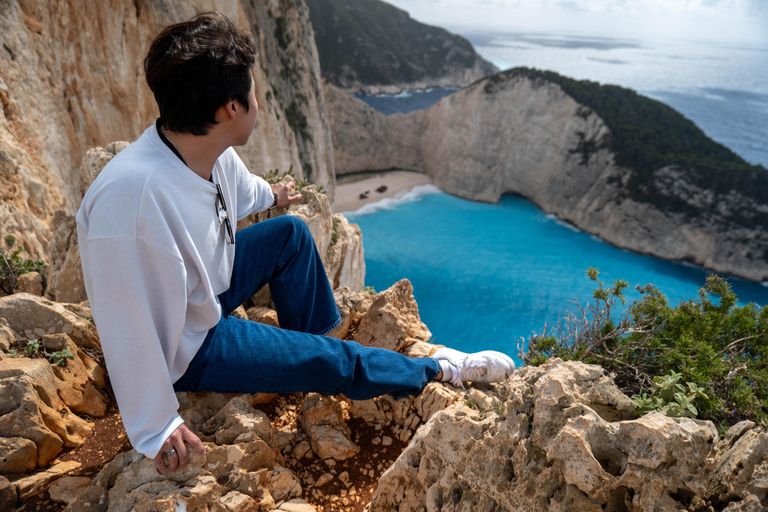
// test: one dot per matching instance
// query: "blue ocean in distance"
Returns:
(486, 275)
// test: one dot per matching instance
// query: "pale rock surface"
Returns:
(31, 282)
(33, 484)
(510, 133)
(296, 505)
(565, 440)
(7, 336)
(35, 404)
(33, 317)
(283, 485)
(68, 489)
(392, 321)
(72, 80)
(263, 315)
(236, 418)
(323, 421)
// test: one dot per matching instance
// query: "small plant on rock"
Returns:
(670, 397)
(12, 265)
(32, 348)
(60, 357)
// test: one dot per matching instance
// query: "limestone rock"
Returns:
(7, 336)
(8, 494)
(296, 505)
(17, 455)
(344, 260)
(68, 489)
(197, 408)
(564, 442)
(393, 321)
(329, 435)
(283, 485)
(347, 302)
(236, 418)
(33, 484)
(741, 469)
(263, 315)
(33, 317)
(31, 282)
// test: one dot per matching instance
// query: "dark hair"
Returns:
(195, 67)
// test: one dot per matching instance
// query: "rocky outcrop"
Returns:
(561, 437)
(518, 133)
(372, 46)
(71, 79)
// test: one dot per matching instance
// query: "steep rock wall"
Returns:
(512, 134)
(71, 79)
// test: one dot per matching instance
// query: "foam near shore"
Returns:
(380, 191)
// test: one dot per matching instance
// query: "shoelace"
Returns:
(469, 370)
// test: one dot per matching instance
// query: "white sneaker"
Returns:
(485, 367)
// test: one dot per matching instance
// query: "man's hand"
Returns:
(286, 194)
(179, 457)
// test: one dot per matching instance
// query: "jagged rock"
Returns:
(17, 455)
(33, 317)
(33, 484)
(7, 336)
(296, 506)
(263, 315)
(563, 442)
(323, 422)
(741, 469)
(392, 321)
(197, 408)
(347, 302)
(8, 494)
(344, 260)
(235, 501)
(236, 418)
(32, 408)
(283, 485)
(68, 489)
(31, 282)
(384, 409)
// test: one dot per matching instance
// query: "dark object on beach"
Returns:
(381, 189)
(364, 195)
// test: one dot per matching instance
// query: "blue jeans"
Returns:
(241, 356)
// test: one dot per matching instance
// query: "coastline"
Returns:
(353, 191)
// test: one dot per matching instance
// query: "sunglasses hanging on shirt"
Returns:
(221, 204)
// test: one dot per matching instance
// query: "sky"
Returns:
(742, 21)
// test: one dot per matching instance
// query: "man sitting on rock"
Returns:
(164, 267)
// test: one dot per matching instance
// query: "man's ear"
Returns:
(229, 109)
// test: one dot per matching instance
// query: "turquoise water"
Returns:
(486, 275)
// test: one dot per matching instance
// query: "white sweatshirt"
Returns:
(154, 260)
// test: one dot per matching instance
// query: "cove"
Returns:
(486, 275)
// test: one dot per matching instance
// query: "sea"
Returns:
(491, 276)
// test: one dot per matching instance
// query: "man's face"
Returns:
(247, 120)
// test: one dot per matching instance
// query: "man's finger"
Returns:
(181, 452)
(173, 461)
(195, 443)
(160, 462)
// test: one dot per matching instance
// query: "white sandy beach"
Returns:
(350, 188)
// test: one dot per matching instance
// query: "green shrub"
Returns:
(12, 265)
(718, 347)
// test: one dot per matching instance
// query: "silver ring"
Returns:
(171, 453)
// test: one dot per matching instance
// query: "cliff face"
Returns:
(71, 78)
(511, 133)
(371, 46)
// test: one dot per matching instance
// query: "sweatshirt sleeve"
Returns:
(138, 298)
(253, 193)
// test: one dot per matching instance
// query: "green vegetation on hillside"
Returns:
(375, 43)
(648, 135)
(707, 356)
